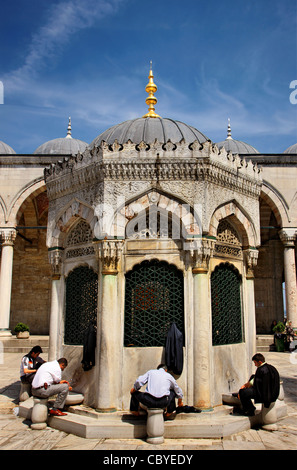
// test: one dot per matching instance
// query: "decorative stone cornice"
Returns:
(155, 162)
(8, 236)
(109, 252)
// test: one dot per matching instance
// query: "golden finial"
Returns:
(151, 88)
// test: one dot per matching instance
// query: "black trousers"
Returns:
(246, 395)
(152, 402)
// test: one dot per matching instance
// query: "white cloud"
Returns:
(64, 19)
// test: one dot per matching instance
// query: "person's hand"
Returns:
(180, 402)
(132, 390)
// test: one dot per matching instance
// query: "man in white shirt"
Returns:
(161, 391)
(48, 381)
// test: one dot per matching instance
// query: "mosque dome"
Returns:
(150, 127)
(235, 146)
(292, 149)
(6, 149)
(62, 145)
(148, 130)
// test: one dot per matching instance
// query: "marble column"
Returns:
(109, 329)
(251, 259)
(57, 303)
(8, 236)
(288, 237)
(202, 328)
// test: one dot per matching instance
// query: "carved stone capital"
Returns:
(109, 252)
(200, 250)
(8, 236)
(288, 237)
(251, 260)
(56, 259)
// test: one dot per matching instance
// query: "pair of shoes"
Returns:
(244, 412)
(57, 413)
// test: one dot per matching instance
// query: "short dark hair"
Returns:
(63, 360)
(258, 357)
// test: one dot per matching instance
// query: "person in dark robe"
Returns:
(262, 387)
(174, 355)
(89, 346)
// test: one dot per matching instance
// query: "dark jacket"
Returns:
(88, 360)
(266, 384)
(174, 354)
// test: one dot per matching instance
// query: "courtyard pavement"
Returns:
(16, 434)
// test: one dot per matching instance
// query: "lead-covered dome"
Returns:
(149, 129)
(235, 146)
(62, 145)
(292, 149)
(5, 149)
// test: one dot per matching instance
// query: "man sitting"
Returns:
(161, 391)
(48, 381)
(262, 387)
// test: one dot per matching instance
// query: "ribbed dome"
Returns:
(235, 146)
(6, 149)
(148, 130)
(292, 149)
(62, 145)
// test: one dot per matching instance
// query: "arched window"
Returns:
(81, 303)
(226, 305)
(154, 299)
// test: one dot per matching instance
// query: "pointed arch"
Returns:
(240, 220)
(165, 204)
(67, 217)
(277, 204)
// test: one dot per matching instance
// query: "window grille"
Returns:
(154, 299)
(226, 305)
(81, 303)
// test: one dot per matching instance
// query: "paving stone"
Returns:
(16, 434)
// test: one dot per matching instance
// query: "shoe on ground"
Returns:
(57, 413)
(239, 411)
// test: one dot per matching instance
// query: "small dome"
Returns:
(235, 146)
(5, 149)
(62, 145)
(149, 129)
(292, 149)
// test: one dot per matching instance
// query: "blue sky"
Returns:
(89, 59)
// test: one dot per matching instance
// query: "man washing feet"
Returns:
(161, 391)
(48, 381)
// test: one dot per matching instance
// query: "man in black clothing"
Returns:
(262, 387)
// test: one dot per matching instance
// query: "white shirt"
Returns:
(159, 383)
(49, 372)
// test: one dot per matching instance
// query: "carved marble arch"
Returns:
(238, 222)
(68, 218)
(79, 241)
(156, 215)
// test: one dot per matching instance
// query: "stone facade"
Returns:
(98, 209)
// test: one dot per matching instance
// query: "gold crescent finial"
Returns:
(151, 88)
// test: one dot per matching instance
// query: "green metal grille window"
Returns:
(154, 299)
(226, 305)
(81, 303)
